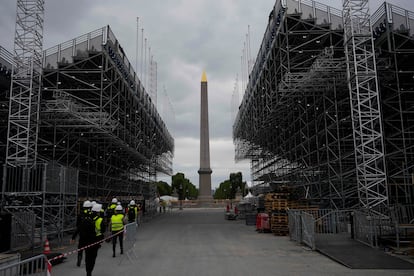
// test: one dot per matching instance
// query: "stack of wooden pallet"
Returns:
(276, 205)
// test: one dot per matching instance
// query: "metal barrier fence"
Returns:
(305, 224)
(130, 237)
(23, 229)
(308, 230)
(333, 222)
(35, 266)
(295, 225)
(365, 231)
(365, 225)
(369, 226)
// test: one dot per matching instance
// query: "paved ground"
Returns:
(200, 242)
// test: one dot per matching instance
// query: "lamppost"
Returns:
(231, 196)
(181, 196)
(225, 198)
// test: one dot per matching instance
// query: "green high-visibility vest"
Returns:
(117, 223)
(98, 221)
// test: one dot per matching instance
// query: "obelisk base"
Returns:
(205, 202)
(205, 184)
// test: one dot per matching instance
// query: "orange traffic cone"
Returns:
(46, 249)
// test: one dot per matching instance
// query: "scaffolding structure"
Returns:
(100, 136)
(394, 45)
(101, 118)
(25, 86)
(6, 67)
(295, 119)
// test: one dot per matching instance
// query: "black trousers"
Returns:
(119, 236)
(90, 257)
(81, 244)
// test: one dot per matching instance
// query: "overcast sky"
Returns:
(186, 37)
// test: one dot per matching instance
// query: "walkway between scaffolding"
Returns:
(356, 255)
(199, 241)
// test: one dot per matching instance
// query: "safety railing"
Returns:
(402, 20)
(64, 52)
(304, 225)
(321, 13)
(6, 59)
(34, 266)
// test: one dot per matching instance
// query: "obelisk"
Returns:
(205, 170)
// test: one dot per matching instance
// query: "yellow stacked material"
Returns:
(275, 196)
(279, 224)
(280, 204)
(276, 201)
(268, 206)
(277, 204)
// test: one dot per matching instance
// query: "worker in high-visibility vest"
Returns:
(97, 236)
(84, 213)
(117, 228)
(132, 211)
(111, 208)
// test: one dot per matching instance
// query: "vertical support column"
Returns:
(25, 86)
(365, 106)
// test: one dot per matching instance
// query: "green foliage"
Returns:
(223, 191)
(163, 188)
(229, 187)
(183, 187)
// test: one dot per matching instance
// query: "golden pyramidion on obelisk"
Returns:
(204, 77)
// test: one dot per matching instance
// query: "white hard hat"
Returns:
(114, 200)
(93, 203)
(87, 204)
(118, 203)
(118, 208)
(97, 207)
(132, 202)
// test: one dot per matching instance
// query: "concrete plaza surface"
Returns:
(201, 242)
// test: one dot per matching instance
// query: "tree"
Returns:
(223, 191)
(236, 180)
(183, 187)
(228, 188)
(163, 188)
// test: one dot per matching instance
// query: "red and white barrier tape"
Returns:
(49, 268)
(83, 248)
